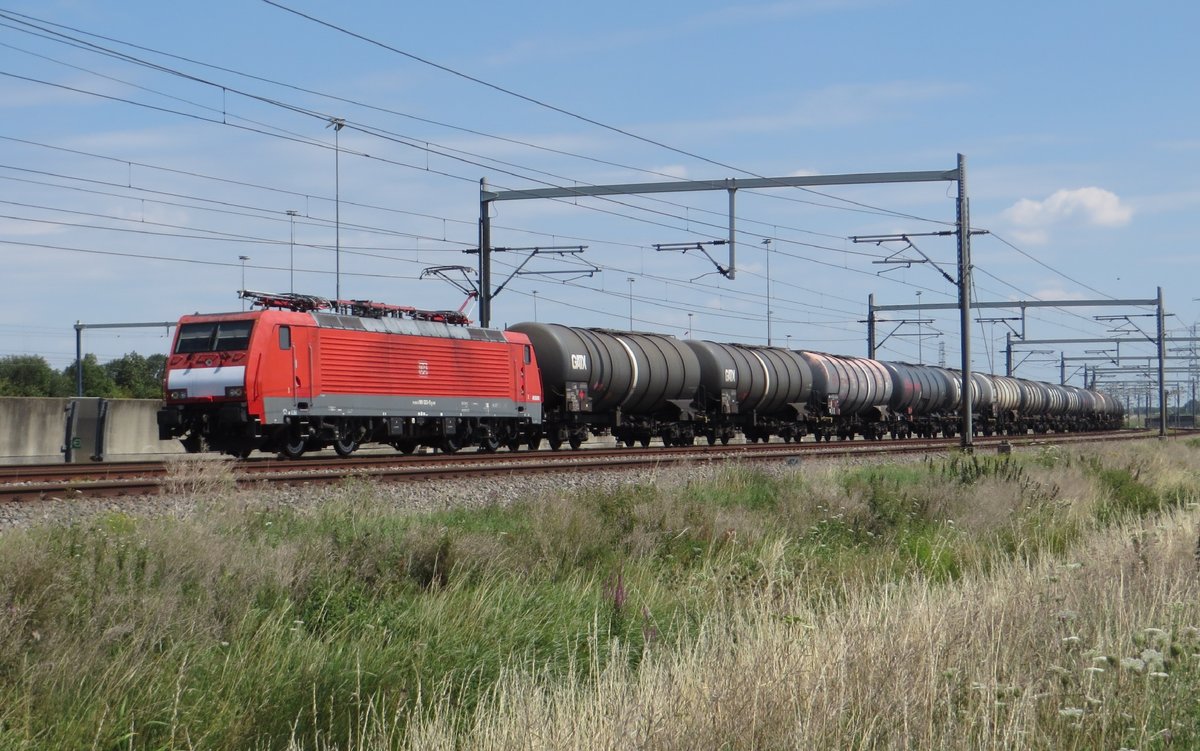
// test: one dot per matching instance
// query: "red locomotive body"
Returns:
(302, 379)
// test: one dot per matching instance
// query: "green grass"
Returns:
(249, 624)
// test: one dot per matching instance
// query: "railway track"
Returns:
(33, 482)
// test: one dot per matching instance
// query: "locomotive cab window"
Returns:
(285, 337)
(528, 356)
(226, 336)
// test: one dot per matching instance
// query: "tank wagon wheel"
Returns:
(576, 441)
(405, 447)
(629, 441)
(555, 443)
(725, 439)
(711, 438)
(513, 444)
(535, 443)
(645, 441)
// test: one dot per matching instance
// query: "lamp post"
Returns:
(920, 332)
(243, 259)
(337, 123)
(292, 250)
(630, 280)
(767, 246)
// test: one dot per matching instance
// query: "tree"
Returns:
(29, 375)
(96, 380)
(137, 377)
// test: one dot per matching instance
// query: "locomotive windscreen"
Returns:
(213, 336)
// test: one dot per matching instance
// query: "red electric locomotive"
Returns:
(302, 373)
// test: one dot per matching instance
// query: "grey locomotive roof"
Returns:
(408, 326)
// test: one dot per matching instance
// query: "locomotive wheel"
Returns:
(489, 444)
(451, 444)
(344, 446)
(293, 448)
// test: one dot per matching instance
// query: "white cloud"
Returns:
(1031, 236)
(1092, 206)
(1055, 292)
(677, 171)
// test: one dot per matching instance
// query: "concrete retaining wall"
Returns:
(32, 430)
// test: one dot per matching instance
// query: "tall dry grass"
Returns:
(1042, 602)
(1096, 651)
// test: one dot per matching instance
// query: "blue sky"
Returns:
(129, 191)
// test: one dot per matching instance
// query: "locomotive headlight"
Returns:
(178, 394)
(235, 392)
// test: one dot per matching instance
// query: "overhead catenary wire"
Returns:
(798, 257)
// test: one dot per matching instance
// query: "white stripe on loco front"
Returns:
(634, 367)
(206, 381)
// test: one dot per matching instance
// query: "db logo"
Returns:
(423, 369)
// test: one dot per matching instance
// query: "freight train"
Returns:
(301, 373)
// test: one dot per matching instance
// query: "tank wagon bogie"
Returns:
(304, 373)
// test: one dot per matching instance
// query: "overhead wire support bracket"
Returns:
(906, 238)
(683, 247)
(477, 291)
(557, 250)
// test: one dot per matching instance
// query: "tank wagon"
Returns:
(304, 373)
(638, 386)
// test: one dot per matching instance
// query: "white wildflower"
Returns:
(1133, 663)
